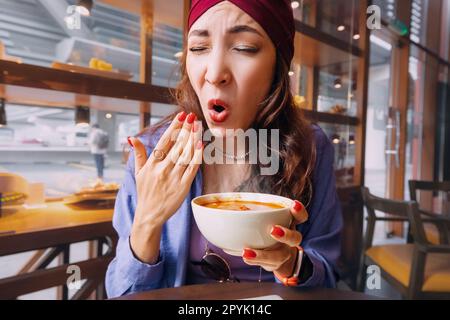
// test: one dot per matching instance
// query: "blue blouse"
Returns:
(321, 233)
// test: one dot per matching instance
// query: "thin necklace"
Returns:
(233, 157)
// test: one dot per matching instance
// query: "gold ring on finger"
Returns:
(159, 154)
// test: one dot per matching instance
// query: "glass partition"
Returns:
(44, 144)
(167, 42)
(337, 88)
(57, 34)
(338, 18)
(343, 140)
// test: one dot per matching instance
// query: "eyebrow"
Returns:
(234, 30)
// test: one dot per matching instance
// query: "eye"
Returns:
(197, 49)
(247, 49)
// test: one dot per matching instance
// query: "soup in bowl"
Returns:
(237, 220)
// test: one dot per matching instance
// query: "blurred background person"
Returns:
(98, 143)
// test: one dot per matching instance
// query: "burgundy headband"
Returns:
(274, 16)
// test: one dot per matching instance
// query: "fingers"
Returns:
(276, 257)
(182, 139)
(189, 149)
(192, 168)
(186, 154)
(299, 212)
(140, 154)
(169, 136)
(269, 260)
(287, 236)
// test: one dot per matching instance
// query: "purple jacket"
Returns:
(321, 233)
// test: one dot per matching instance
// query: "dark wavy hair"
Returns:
(297, 152)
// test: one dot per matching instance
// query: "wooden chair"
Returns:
(435, 234)
(418, 269)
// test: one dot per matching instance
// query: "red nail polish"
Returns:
(190, 118)
(182, 116)
(129, 142)
(249, 254)
(277, 232)
(298, 205)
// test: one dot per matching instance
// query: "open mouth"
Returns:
(218, 110)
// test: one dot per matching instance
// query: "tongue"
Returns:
(219, 116)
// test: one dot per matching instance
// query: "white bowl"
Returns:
(233, 230)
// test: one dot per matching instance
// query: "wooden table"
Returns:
(55, 226)
(233, 291)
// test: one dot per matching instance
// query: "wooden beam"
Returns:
(361, 95)
(144, 115)
(315, 116)
(86, 290)
(309, 96)
(431, 75)
(146, 68)
(146, 41)
(399, 105)
(186, 9)
(396, 181)
(50, 256)
(29, 266)
(62, 292)
(314, 14)
(62, 81)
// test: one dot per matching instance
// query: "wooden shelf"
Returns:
(316, 116)
(51, 84)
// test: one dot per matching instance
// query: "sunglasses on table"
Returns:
(215, 267)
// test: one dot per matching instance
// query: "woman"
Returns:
(234, 76)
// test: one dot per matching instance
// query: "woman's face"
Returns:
(231, 64)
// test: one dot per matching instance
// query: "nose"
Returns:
(217, 72)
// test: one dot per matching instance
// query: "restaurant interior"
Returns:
(373, 74)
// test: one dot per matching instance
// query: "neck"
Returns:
(231, 146)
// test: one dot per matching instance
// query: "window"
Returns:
(343, 139)
(43, 144)
(51, 34)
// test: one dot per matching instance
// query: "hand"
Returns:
(281, 257)
(163, 183)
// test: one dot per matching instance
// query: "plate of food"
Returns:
(10, 198)
(98, 189)
(98, 194)
(72, 199)
(14, 189)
